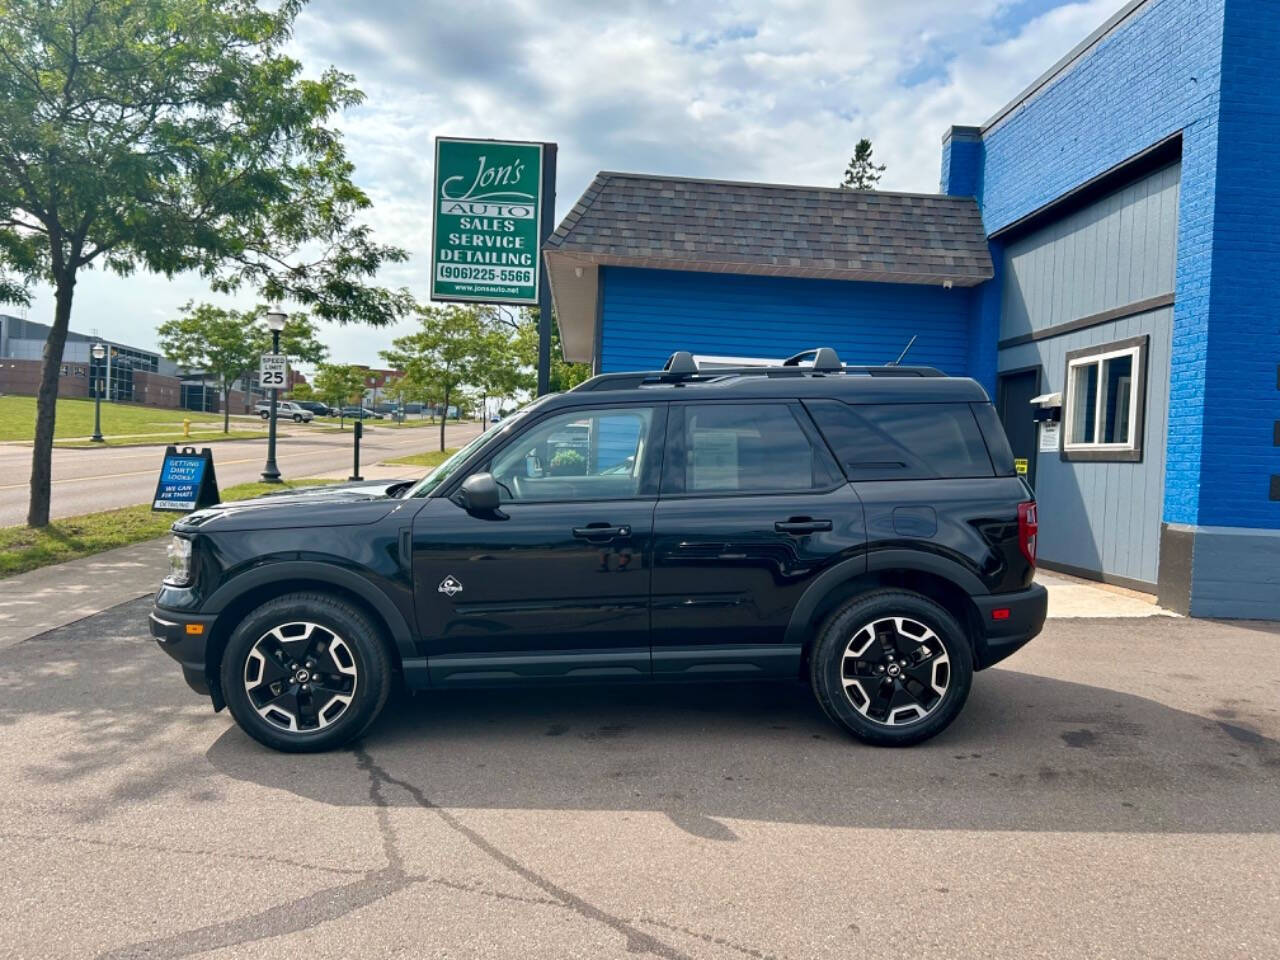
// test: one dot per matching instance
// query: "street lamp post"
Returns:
(270, 472)
(99, 350)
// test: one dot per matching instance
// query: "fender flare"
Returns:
(847, 570)
(362, 587)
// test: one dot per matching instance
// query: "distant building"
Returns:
(130, 375)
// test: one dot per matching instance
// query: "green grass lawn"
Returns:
(75, 419)
(431, 458)
(23, 549)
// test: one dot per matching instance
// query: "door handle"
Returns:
(601, 532)
(802, 525)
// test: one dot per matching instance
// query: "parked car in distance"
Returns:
(317, 408)
(285, 410)
(361, 413)
(415, 409)
(860, 529)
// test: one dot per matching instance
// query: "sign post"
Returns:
(187, 481)
(494, 207)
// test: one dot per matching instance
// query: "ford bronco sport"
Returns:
(861, 528)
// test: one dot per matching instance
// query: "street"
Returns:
(89, 480)
(1111, 790)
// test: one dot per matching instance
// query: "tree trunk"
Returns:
(444, 417)
(47, 402)
(226, 407)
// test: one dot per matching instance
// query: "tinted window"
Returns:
(997, 442)
(912, 441)
(751, 448)
(583, 455)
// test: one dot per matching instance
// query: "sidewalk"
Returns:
(54, 596)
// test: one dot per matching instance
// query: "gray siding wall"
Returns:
(1114, 252)
(1104, 517)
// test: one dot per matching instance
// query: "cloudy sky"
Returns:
(765, 90)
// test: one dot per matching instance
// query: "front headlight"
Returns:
(179, 562)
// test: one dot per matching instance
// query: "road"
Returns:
(1113, 790)
(85, 481)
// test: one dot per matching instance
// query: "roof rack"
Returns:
(681, 369)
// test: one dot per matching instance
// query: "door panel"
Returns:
(726, 578)
(753, 508)
(497, 590)
(554, 583)
(1014, 394)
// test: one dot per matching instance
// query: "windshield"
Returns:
(445, 470)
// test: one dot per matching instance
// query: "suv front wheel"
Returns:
(305, 672)
(892, 667)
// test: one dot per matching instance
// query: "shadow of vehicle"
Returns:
(1028, 753)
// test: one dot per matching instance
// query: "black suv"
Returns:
(861, 528)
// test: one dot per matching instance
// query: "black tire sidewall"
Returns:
(348, 622)
(828, 654)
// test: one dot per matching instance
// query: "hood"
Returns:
(329, 505)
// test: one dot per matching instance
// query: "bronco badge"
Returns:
(450, 585)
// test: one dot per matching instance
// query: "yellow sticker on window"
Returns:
(1020, 465)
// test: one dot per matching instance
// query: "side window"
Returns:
(1104, 407)
(580, 455)
(751, 448)
(910, 441)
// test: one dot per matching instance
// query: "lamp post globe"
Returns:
(270, 472)
(98, 350)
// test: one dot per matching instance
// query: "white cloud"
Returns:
(746, 89)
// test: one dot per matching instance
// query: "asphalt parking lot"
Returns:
(1113, 790)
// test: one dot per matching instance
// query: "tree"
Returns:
(171, 135)
(496, 368)
(863, 173)
(339, 384)
(564, 374)
(228, 343)
(302, 391)
(442, 354)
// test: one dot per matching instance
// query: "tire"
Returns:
(892, 701)
(266, 415)
(297, 418)
(286, 642)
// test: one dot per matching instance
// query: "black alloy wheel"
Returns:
(305, 672)
(893, 667)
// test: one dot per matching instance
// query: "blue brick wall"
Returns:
(648, 314)
(962, 162)
(1157, 75)
(1242, 401)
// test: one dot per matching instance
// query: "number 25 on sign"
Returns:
(273, 371)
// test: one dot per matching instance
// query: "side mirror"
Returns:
(479, 493)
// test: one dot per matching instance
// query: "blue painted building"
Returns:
(1104, 255)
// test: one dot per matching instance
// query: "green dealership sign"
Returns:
(488, 208)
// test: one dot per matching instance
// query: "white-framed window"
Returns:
(1105, 388)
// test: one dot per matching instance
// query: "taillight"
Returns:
(1028, 529)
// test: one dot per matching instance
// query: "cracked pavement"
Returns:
(1113, 790)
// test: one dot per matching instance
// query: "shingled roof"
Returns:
(678, 223)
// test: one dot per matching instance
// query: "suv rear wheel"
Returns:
(892, 667)
(305, 672)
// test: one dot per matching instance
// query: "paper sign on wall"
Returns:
(1049, 430)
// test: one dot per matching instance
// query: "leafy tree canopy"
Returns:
(226, 344)
(174, 135)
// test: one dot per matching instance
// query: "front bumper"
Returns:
(1002, 635)
(184, 637)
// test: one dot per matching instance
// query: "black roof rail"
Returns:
(825, 360)
(681, 369)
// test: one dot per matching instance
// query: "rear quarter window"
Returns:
(911, 441)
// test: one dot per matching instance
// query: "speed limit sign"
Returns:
(273, 371)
